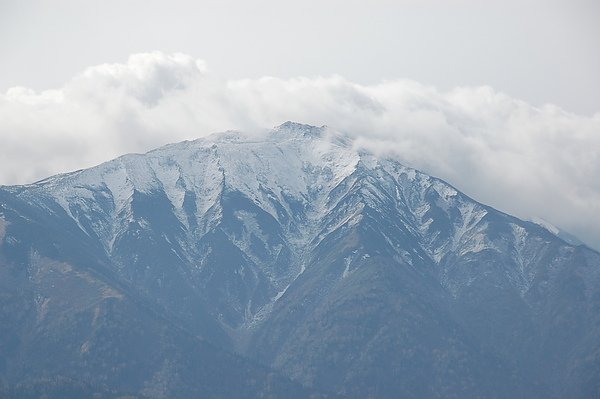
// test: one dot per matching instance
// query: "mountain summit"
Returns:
(295, 265)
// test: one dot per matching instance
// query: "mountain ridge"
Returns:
(321, 261)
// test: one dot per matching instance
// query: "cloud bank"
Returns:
(524, 160)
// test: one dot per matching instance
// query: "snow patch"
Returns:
(170, 177)
(3, 226)
(471, 214)
(547, 225)
(347, 262)
(477, 243)
(117, 182)
(444, 190)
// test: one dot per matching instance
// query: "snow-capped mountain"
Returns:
(346, 272)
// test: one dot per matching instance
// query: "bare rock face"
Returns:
(289, 264)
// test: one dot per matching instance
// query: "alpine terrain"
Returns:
(285, 265)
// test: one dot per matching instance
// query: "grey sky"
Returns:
(540, 51)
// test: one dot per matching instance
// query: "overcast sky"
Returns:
(542, 51)
(460, 89)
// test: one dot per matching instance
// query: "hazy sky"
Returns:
(537, 50)
(458, 89)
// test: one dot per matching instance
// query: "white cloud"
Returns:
(502, 151)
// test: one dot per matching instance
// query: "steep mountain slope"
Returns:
(70, 326)
(346, 272)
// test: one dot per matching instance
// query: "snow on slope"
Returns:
(293, 160)
(292, 163)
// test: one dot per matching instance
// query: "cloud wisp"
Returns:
(525, 160)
